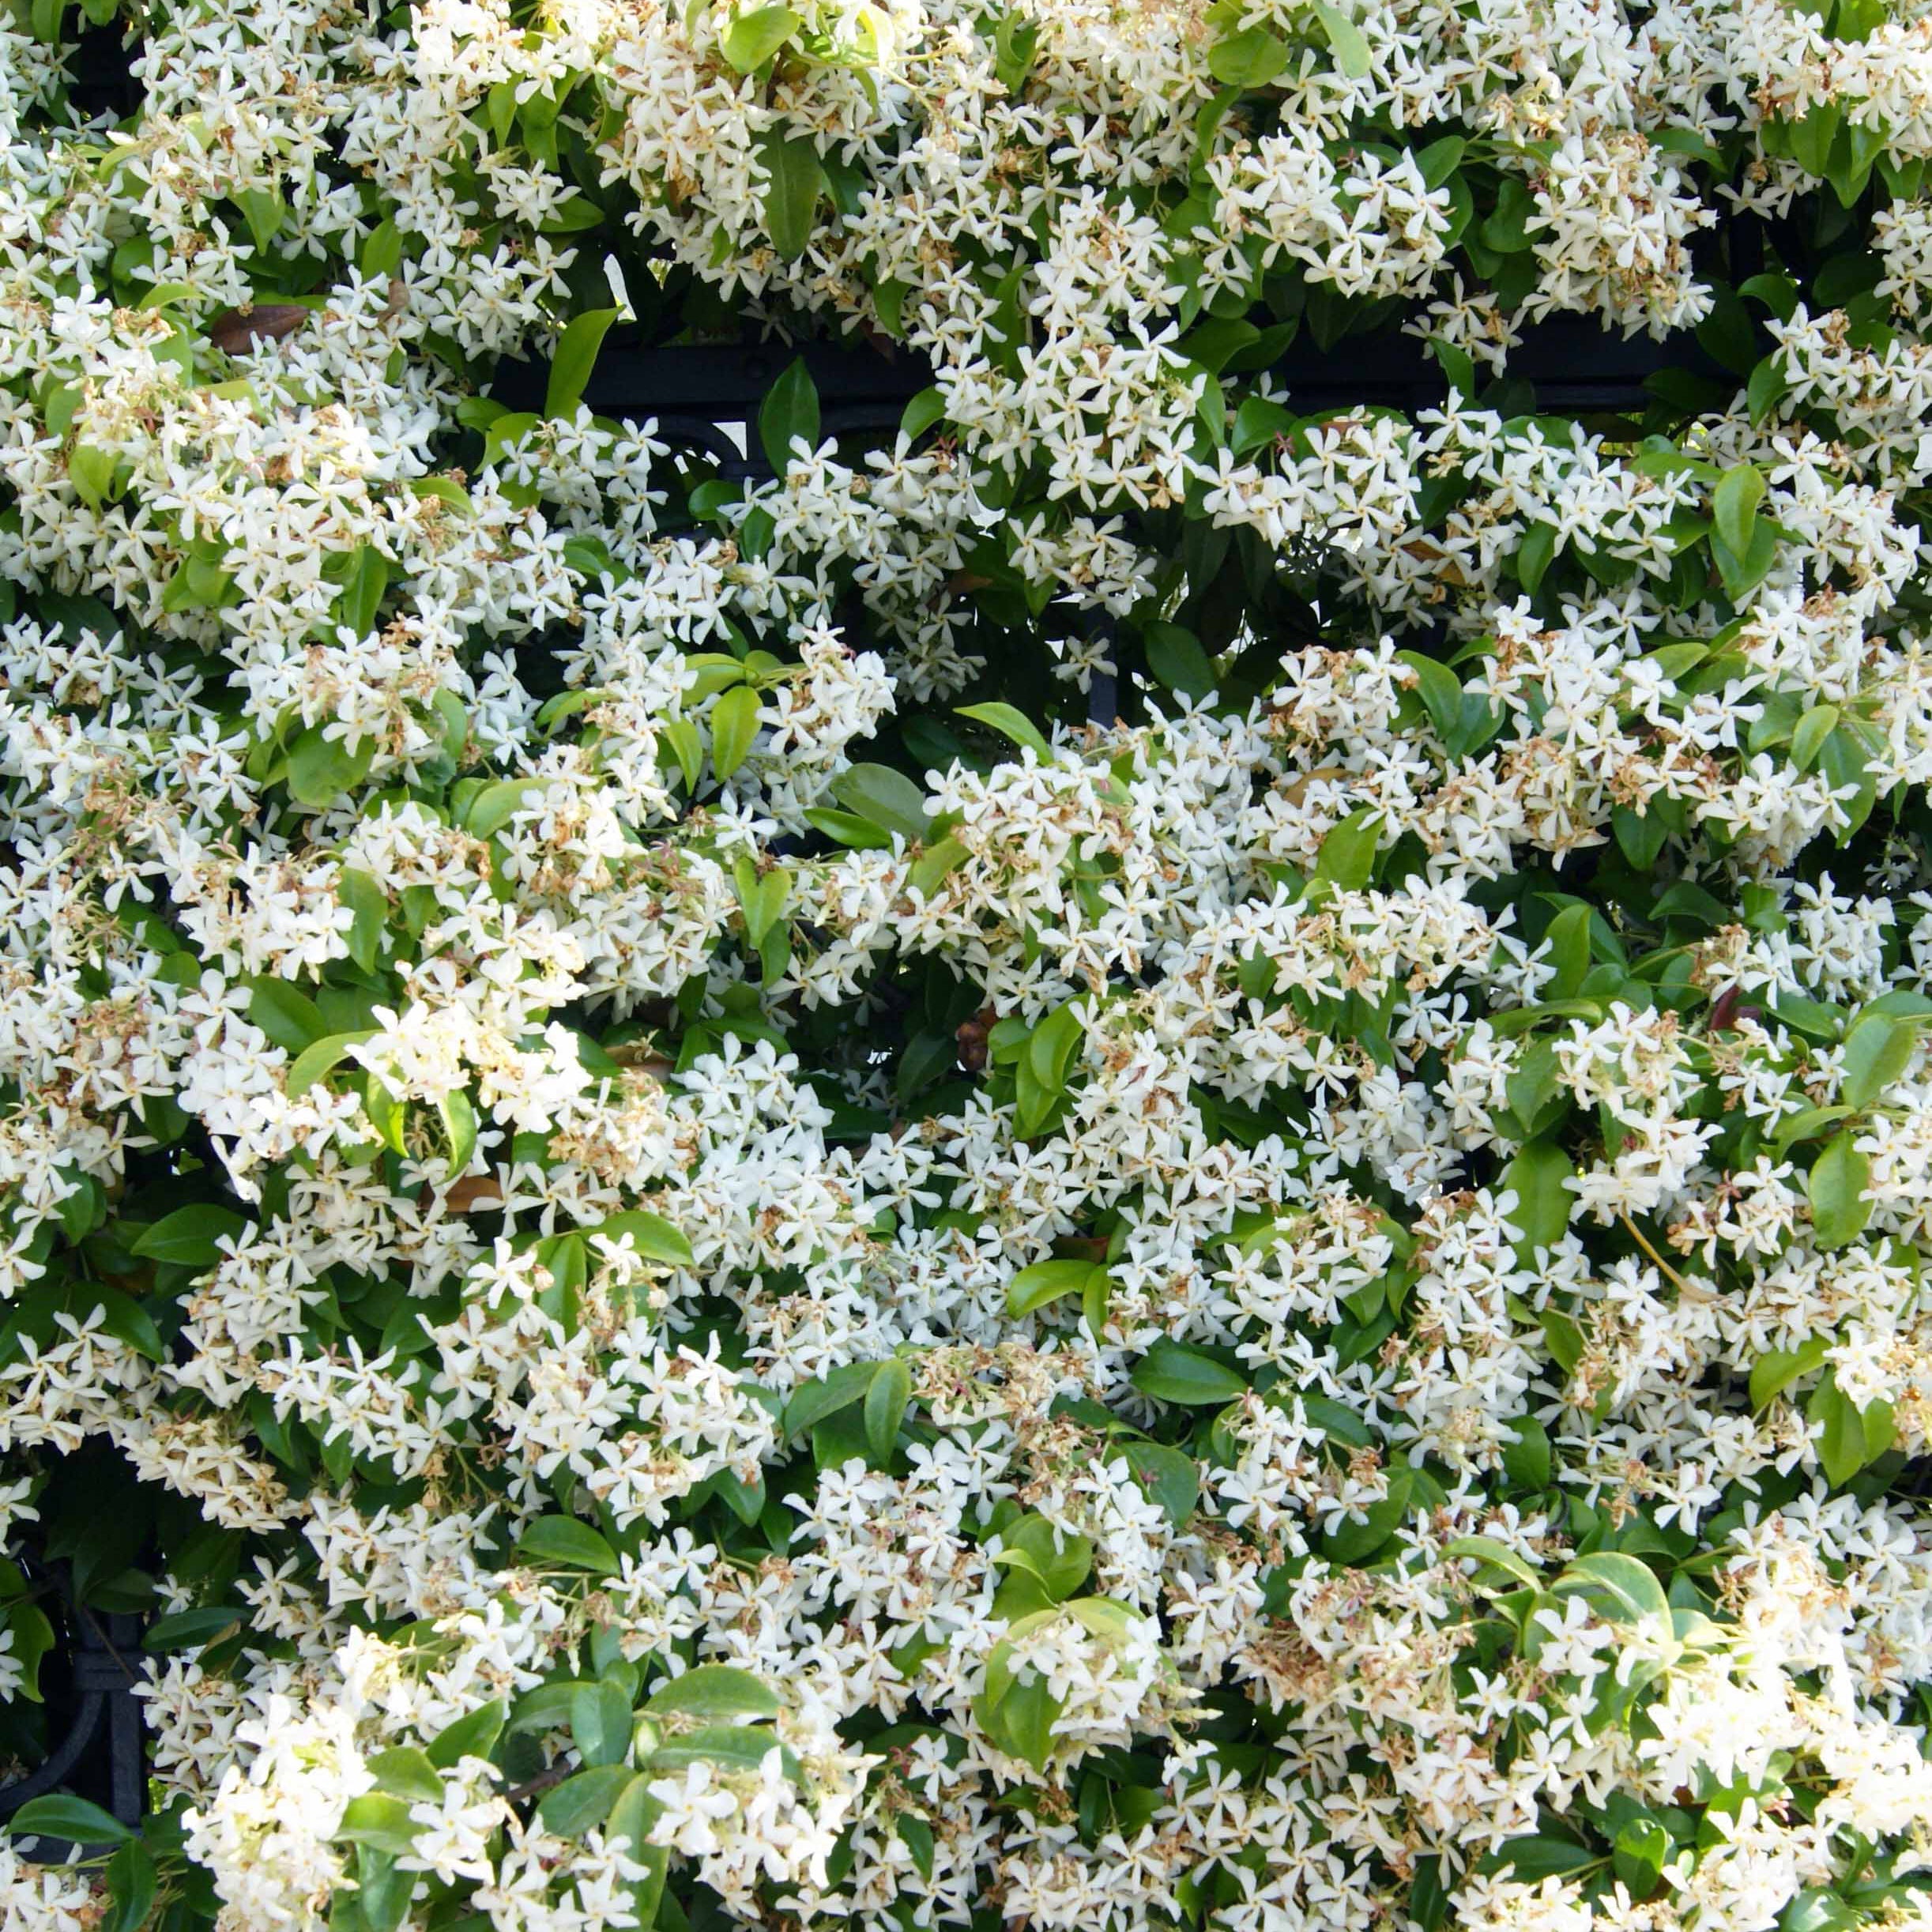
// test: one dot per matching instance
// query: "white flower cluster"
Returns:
(694, 1286)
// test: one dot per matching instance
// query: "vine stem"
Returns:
(1637, 1234)
(542, 1782)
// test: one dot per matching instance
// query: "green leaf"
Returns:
(932, 865)
(916, 1835)
(1640, 835)
(580, 1802)
(1096, 1292)
(631, 1819)
(1734, 507)
(58, 1816)
(1011, 724)
(189, 1236)
(789, 414)
(1878, 1050)
(1021, 1724)
(734, 725)
(1171, 1371)
(794, 182)
(1175, 659)
(1839, 1177)
(365, 578)
(1624, 1588)
(926, 408)
(382, 253)
(600, 1723)
(1485, 1550)
(189, 1630)
(492, 806)
(1061, 1559)
(886, 1403)
(1050, 1047)
(406, 1772)
(459, 1123)
(91, 472)
(826, 1395)
(385, 1113)
(1808, 735)
(1248, 59)
(379, 1820)
(131, 1879)
(740, 1748)
(553, 1543)
(1169, 1476)
(1428, 1897)
(653, 1236)
(715, 1692)
(1345, 41)
(576, 356)
(1774, 1371)
(1014, 40)
(1642, 1846)
(1849, 1438)
(847, 829)
(1537, 1177)
(1568, 937)
(124, 1318)
(1259, 421)
(1534, 555)
(761, 897)
(264, 211)
(365, 898)
(1538, 1099)
(629, 1824)
(470, 1736)
(382, 1893)
(1439, 690)
(1817, 1909)
(883, 797)
(323, 1057)
(1347, 857)
(1813, 136)
(1046, 1282)
(1767, 387)
(1527, 1459)
(752, 38)
(1741, 572)
(1440, 159)
(1535, 1858)
(321, 769)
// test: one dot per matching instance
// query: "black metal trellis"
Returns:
(1573, 365)
(1565, 366)
(693, 390)
(89, 1680)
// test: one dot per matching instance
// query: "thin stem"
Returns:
(1637, 1235)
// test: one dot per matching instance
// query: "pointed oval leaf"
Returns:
(717, 1693)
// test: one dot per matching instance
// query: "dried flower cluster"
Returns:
(704, 1261)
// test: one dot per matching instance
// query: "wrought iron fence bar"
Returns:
(1573, 365)
(101, 1754)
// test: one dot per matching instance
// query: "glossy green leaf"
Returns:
(1011, 724)
(576, 356)
(717, 1693)
(789, 415)
(1841, 1206)
(1173, 1372)
(753, 37)
(190, 1237)
(563, 1543)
